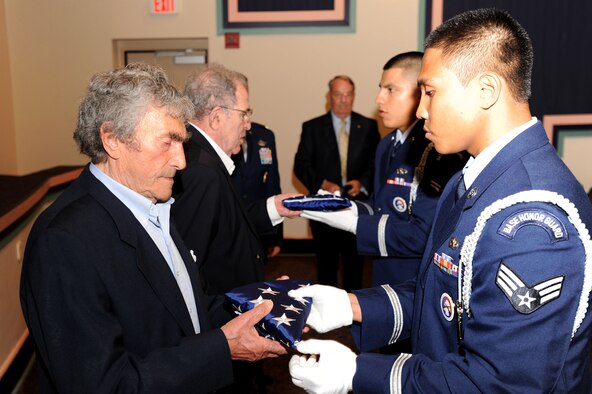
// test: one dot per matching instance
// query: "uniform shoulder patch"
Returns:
(524, 298)
(534, 217)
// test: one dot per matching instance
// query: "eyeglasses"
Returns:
(246, 113)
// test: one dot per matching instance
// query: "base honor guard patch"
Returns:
(533, 217)
(524, 298)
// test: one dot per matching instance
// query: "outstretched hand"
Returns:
(244, 341)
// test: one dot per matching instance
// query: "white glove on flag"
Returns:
(331, 372)
(345, 219)
(330, 307)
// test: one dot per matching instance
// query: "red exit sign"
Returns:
(163, 7)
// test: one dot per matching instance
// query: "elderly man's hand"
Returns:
(283, 211)
(244, 341)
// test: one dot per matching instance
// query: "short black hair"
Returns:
(404, 60)
(486, 39)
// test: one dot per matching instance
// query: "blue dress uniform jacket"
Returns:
(104, 309)
(259, 178)
(214, 224)
(525, 281)
(396, 226)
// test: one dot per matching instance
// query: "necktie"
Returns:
(460, 187)
(391, 156)
(244, 147)
(343, 143)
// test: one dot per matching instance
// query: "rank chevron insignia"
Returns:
(527, 299)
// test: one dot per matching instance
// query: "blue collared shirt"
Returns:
(155, 219)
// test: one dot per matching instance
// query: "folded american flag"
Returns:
(316, 202)
(287, 318)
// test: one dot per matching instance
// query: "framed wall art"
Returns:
(285, 16)
(572, 137)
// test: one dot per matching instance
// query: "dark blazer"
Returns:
(213, 222)
(317, 157)
(104, 309)
(259, 178)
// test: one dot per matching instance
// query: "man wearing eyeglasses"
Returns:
(222, 234)
(336, 154)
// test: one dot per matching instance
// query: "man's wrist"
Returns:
(272, 212)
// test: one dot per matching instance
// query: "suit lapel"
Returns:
(356, 139)
(194, 275)
(149, 260)
(214, 158)
(330, 144)
(157, 272)
(448, 215)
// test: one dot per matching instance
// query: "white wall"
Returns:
(55, 46)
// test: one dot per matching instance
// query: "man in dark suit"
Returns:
(220, 231)
(336, 152)
(257, 177)
(217, 228)
(110, 294)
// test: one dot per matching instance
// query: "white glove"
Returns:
(333, 373)
(330, 307)
(345, 219)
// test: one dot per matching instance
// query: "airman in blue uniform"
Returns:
(500, 304)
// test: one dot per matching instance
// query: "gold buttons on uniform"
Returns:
(473, 192)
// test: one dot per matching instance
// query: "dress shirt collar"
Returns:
(226, 160)
(141, 207)
(337, 123)
(475, 165)
(401, 136)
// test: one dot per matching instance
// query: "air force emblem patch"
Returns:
(527, 299)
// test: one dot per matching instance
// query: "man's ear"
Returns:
(111, 143)
(214, 118)
(491, 86)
